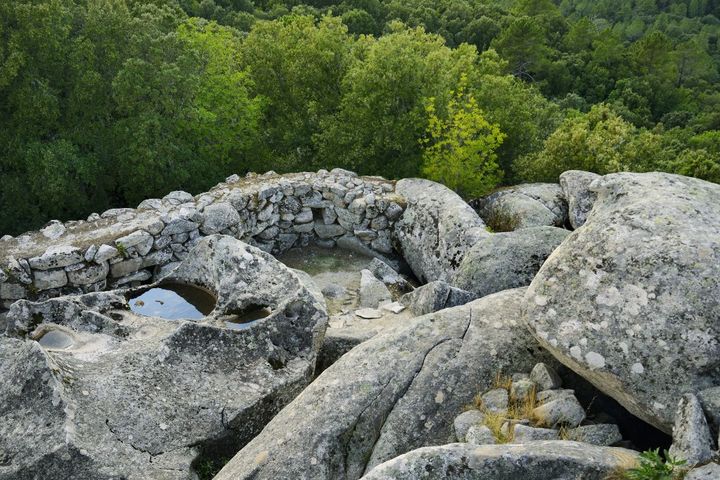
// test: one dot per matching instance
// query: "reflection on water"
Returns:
(250, 316)
(56, 339)
(174, 301)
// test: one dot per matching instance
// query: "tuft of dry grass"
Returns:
(495, 421)
(477, 401)
(500, 221)
(517, 409)
(523, 409)
(502, 381)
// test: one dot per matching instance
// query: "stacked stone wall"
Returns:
(273, 212)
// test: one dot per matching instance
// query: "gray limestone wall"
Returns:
(125, 246)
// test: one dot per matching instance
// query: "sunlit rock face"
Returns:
(524, 206)
(436, 229)
(631, 300)
(538, 460)
(108, 393)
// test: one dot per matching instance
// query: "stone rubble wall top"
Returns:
(271, 211)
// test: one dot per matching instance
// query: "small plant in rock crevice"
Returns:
(654, 466)
(499, 222)
(522, 409)
(564, 433)
(207, 468)
(495, 421)
(122, 250)
(502, 381)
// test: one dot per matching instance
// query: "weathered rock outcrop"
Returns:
(436, 229)
(691, 435)
(631, 301)
(129, 396)
(575, 186)
(710, 400)
(435, 296)
(506, 260)
(710, 471)
(373, 292)
(398, 391)
(523, 206)
(540, 460)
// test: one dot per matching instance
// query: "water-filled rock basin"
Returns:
(174, 301)
(335, 271)
(250, 315)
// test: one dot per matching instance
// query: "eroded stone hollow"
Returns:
(143, 393)
(173, 301)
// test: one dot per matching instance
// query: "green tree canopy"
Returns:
(460, 149)
(382, 111)
(297, 64)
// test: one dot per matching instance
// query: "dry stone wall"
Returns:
(273, 212)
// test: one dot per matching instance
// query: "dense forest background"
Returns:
(106, 102)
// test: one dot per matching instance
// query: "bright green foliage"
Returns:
(524, 115)
(223, 125)
(654, 467)
(460, 149)
(695, 163)
(603, 142)
(108, 102)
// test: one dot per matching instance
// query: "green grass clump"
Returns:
(122, 250)
(654, 466)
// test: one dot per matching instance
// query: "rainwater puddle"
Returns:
(174, 301)
(250, 316)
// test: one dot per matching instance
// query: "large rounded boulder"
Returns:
(506, 260)
(631, 301)
(436, 229)
(91, 389)
(523, 206)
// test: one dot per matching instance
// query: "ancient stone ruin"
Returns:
(331, 326)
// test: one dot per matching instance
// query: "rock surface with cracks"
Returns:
(398, 391)
(631, 301)
(575, 186)
(136, 397)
